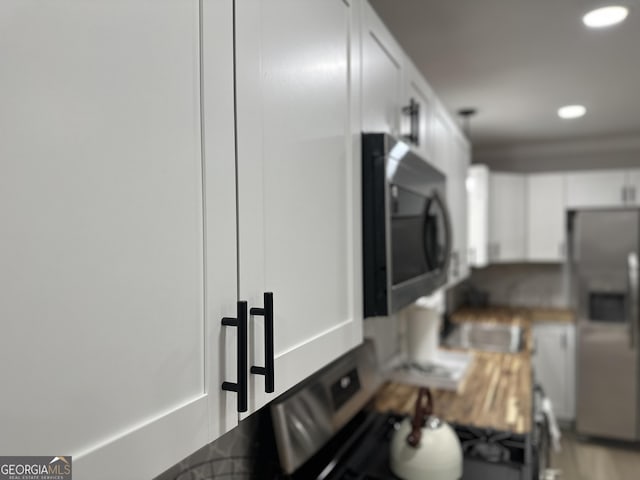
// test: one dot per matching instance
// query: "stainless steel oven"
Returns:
(406, 227)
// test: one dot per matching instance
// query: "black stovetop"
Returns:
(360, 451)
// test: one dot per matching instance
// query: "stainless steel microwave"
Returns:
(406, 226)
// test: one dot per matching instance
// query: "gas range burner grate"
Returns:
(491, 452)
(491, 445)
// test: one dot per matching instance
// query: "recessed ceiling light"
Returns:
(571, 111)
(605, 16)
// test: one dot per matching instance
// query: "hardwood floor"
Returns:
(586, 459)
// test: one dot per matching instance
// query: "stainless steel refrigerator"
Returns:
(604, 273)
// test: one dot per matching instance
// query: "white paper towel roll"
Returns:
(423, 331)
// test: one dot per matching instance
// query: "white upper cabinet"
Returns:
(459, 158)
(102, 353)
(603, 188)
(545, 217)
(382, 76)
(596, 189)
(632, 194)
(506, 217)
(478, 215)
(441, 140)
(220, 212)
(298, 131)
(417, 122)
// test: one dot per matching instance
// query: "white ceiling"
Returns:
(517, 61)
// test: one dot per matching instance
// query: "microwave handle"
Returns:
(448, 245)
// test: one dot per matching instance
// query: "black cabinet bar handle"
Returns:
(413, 111)
(241, 386)
(267, 370)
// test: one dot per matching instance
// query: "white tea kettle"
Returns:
(424, 447)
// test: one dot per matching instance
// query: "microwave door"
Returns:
(421, 244)
(407, 234)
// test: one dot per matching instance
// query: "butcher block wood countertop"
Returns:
(511, 315)
(497, 392)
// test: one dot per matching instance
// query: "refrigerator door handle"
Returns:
(632, 268)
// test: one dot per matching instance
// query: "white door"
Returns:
(507, 217)
(298, 183)
(221, 265)
(102, 347)
(546, 223)
(598, 188)
(382, 76)
(477, 185)
(553, 363)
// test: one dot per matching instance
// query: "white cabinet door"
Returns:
(299, 183)
(442, 149)
(102, 347)
(546, 217)
(220, 211)
(632, 194)
(457, 201)
(507, 217)
(596, 189)
(554, 365)
(417, 90)
(478, 215)
(382, 76)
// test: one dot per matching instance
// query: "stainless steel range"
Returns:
(325, 430)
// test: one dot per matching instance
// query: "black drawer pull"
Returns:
(267, 370)
(241, 386)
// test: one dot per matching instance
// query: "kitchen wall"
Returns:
(526, 285)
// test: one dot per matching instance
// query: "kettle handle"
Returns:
(422, 412)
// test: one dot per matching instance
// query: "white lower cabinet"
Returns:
(506, 217)
(102, 352)
(554, 365)
(298, 131)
